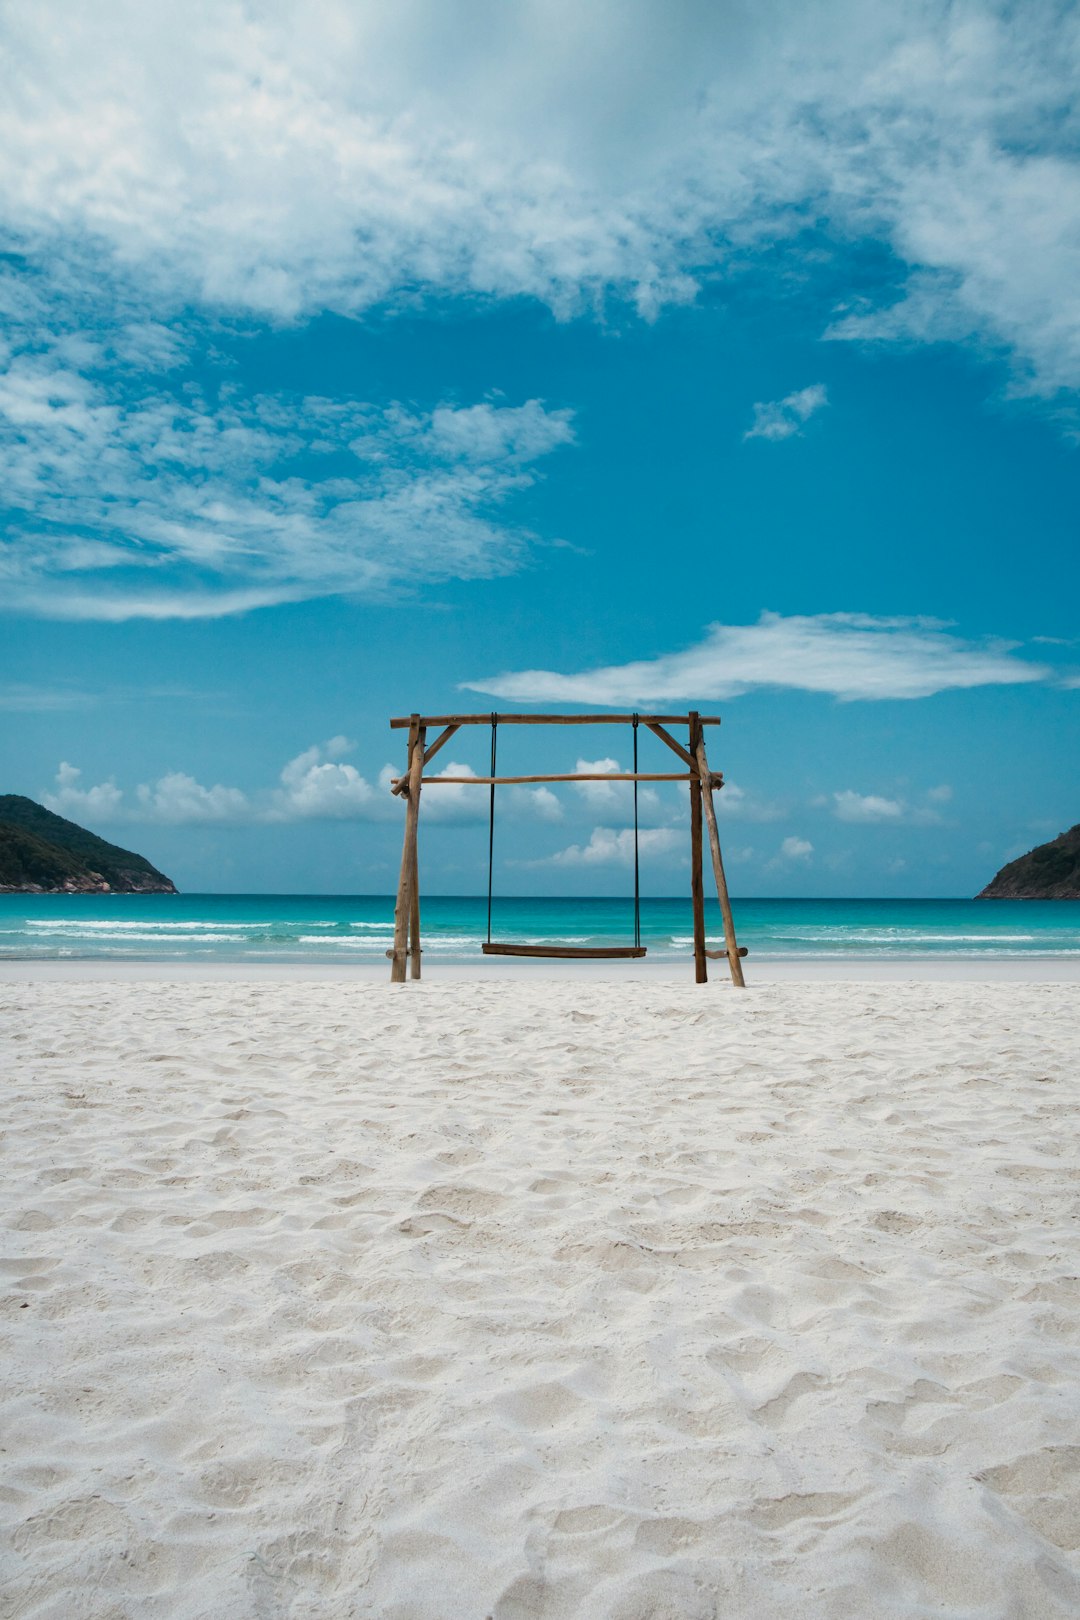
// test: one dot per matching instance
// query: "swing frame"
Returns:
(702, 781)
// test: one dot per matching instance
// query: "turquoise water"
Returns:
(351, 928)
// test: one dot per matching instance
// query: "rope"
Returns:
(491, 823)
(637, 871)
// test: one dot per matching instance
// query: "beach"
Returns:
(535, 1295)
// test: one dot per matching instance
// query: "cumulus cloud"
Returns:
(313, 786)
(615, 799)
(873, 807)
(781, 418)
(317, 785)
(177, 797)
(611, 847)
(848, 655)
(796, 849)
(100, 803)
(852, 806)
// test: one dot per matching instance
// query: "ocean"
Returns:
(359, 928)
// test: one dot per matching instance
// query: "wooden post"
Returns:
(705, 778)
(414, 915)
(697, 890)
(407, 878)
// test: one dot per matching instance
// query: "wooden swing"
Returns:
(607, 952)
(701, 782)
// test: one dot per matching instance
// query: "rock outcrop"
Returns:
(1049, 872)
(42, 853)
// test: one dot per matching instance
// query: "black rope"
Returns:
(491, 821)
(637, 870)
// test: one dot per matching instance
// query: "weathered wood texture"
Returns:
(732, 952)
(551, 720)
(401, 783)
(409, 862)
(697, 889)
(665, 737)
(414, 913)
(490, 948)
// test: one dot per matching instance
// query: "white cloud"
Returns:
(796, 849)
(610, 847)
(289, 159)
(866, 807)
(313, 786)
(100, 803)
(162, 167)
(472, 804)
(188, 507)
(316, 785)
(601, 796)
(848, 655)
(177, 797)
(781, 418)
(873, 807)
(734, 801)
(539, 802)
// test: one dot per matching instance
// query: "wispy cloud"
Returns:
(782, 418)
(849, 655)
(159, 171)
(19, 697)
(303, 158)
(181, 506)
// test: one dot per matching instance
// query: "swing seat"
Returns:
(489, 948)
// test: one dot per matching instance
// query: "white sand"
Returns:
(538, 1297)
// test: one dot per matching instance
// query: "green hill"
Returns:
(1048, 872)
(45, 853)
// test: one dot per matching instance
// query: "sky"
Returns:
(361, 360)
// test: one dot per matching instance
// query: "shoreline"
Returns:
(847, 969)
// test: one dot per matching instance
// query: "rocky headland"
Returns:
(1048, 872)
(43, 853)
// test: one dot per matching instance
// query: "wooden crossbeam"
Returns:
(401, 782)
(665, 737)
(443, 737)
(403, 721)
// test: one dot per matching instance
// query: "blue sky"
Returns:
(475, 356)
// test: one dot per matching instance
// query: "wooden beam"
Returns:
(443, 737)
(665, 737)
(697, 890)
(732, 952)
(403, 907)
(714, 956)
(401, 721)
(414, 904)
(401, 783)
(604, 951)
